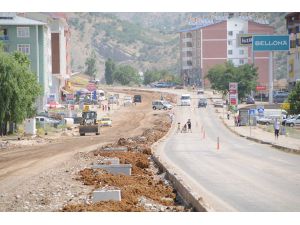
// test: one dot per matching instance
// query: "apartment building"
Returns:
(31, 37)
(293, 28)
(60, 37)
(215, 42)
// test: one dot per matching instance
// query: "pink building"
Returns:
(216, 42)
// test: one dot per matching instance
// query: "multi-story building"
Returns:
(60, 49)
(215, 42)
(293, 27)
(31, 37)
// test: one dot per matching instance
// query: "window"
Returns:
(242, 62)
(297, 29)
(230, 33)
(229, 52)
(241, 52)
(23, 32)
(189, 35)
(189, 44)
(24, 48)
(230, 42)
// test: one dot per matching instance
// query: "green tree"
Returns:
(126, 75)
(90, 64)
(19, 89)
(245, 75)
(151, 76)
(294, 100)
(110, 68)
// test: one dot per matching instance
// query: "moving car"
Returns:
(105, 121)
(185, 100)
(137, 98)
(43, 120)
(112, 100)
(160, 104)
(202, 102)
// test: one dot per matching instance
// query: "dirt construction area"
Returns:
(56, 175)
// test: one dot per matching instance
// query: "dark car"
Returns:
(280, 96)
(137, 98)
(202, 102)
(250, 100)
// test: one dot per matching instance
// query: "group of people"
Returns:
(187, 127)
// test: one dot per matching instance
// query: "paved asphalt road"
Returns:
(241, 176)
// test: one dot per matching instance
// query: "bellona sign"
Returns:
(271, 43)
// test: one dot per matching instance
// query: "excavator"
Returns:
(89, 123)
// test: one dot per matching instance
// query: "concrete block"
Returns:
(119, 149)
(111, 161)
(115, 168)
(106, 195)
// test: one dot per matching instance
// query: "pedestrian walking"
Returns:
(228, 115)
(178, 127)
(189, 125)
(276, 128)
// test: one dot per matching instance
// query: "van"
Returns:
(159, 104)
(185, 99)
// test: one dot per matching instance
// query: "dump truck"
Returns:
(89, 123)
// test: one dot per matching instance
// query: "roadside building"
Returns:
(60, 50)
(215, 41)
(31, 37)
(293, 28)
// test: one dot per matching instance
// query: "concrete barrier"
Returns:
(114, 161)
(124, 169)
(106, 195)
(118, 149)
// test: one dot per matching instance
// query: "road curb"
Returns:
(278, 147)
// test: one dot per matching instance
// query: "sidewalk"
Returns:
(284, 143)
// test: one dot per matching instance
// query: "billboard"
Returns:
(266, 43)
(244, 40)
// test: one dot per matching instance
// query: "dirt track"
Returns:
(20, 165)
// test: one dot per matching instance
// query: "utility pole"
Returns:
(270, 77)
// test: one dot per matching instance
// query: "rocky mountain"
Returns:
(144, 40)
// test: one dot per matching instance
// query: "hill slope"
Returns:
(143, 40)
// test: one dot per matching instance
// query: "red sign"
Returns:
(91, 87)
(233, 101)
(261, 88)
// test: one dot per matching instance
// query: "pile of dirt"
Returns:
(141, 186)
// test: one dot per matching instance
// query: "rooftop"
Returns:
(13, 19)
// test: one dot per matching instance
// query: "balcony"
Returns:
(187, 58)
(184, 40)
(4, 38)
(187, 67)
(187, 49)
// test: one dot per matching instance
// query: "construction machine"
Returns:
(89, 123)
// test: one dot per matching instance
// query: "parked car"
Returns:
(250, 100)
(160, 104)
(202, 102)
(43, 120)
(219, 103)
(264, 121)
(105, 121)
(178, 87)
(200, 91)
(280, 96)
(113, 100)
(127, 100)
(295, 121)
(287, 118)
(137, 98)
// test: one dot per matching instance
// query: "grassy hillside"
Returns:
(143, 40)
